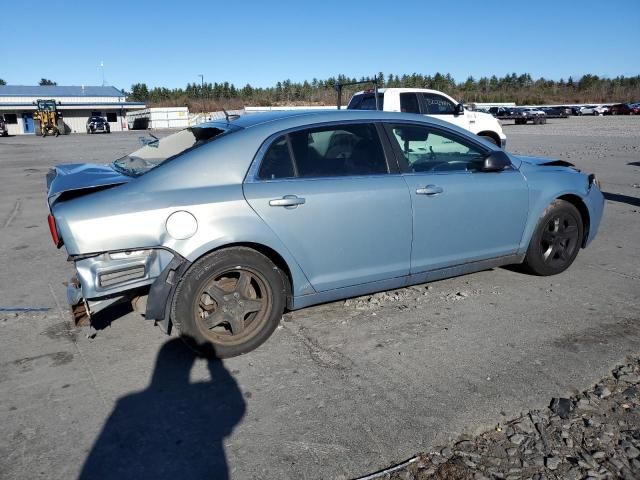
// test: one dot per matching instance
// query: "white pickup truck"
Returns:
(432, 103)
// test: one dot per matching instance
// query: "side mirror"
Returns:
(496, 161)
(460, 109)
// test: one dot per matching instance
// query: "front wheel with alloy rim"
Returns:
(229, 302)
(556, 240)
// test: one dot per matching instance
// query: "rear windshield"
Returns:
(159, 150)
(366, 101)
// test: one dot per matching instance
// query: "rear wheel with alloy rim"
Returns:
(556, 240)
(229, 302)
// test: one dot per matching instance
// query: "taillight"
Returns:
(57, 241)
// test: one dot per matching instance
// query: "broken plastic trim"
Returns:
(162, 291)
(559, 163)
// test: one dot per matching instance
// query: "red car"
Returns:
(624, 109)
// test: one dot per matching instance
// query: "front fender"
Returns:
(546, 184)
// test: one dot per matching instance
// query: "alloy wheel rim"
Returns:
(559, 240)
(232, 306)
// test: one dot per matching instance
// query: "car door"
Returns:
(460, 214)
(328, 193)
(439, 106)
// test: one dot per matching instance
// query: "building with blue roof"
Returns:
(76, 103)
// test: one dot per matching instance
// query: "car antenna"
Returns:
(229, 117)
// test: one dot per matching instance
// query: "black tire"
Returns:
(556, 240)
(489, 138)
(241, 293)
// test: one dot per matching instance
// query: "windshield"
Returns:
(159, 150)
(46, 105)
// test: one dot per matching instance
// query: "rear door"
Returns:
(340, 208)
(460, 214)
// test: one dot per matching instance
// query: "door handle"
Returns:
(429, 190)
(288, 201)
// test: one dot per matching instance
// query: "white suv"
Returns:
(434, 104)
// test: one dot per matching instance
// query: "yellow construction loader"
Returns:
(48, 119)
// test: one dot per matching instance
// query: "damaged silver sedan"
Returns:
(219, 228)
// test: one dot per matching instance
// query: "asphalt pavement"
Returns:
(340, 390)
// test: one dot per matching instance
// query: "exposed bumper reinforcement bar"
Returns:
(82, 310)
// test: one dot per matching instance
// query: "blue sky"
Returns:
(169, 44)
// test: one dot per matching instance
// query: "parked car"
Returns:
(431, 103)
(529, 114)
(98, 124)
(635, 108)
(621, 109)
(587, 110)
(503, 112)
(222, 226)
(555, 112)
(4, 131)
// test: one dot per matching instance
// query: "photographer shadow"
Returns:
(173, 428)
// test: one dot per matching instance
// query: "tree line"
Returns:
(522, 89)
(43, 81)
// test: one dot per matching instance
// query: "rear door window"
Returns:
(366, 101)
(409, 103)
(345, 150)
(336, 151)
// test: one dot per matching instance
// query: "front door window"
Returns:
(428, 151)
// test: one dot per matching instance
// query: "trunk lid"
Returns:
(76, 179)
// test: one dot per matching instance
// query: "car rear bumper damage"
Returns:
(106, 279)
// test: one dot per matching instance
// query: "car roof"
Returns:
(401, 90)
(284, 119)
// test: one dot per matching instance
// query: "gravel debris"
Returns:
(592, 435)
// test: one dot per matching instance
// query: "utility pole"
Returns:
(202, 90)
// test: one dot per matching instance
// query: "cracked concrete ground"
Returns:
(341, 389)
